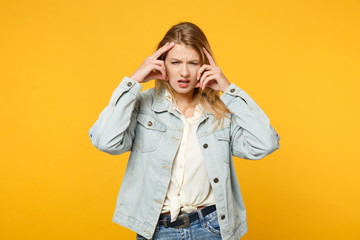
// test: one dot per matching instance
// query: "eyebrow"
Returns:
(189, 61)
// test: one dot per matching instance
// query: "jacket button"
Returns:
(129, 84)
(222, 217)
(149, 123)
(232, 90)
(216, 180)
(205, 145)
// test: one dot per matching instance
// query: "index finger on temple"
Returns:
(211, 60)
(163, 49)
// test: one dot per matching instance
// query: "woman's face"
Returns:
(182, 63)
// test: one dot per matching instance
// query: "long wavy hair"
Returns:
(191, 35)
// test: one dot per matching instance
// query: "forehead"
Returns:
(181, 52)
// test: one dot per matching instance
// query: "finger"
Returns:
(155, 76)
(203, 68)
(163, 49)
(197, 84)
(162, 65)
(159, 62)
(211, 80)
(209, 57)
(204, 76)
(157, 67)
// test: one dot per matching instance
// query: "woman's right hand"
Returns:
(145, 72)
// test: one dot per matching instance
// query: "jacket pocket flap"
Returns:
(221, 136)
(150, 122)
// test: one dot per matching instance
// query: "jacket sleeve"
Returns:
(252, 136)
(114, 130)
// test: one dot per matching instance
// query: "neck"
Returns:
(184, 99)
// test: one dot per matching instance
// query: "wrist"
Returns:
(225, 88)
(135, 79)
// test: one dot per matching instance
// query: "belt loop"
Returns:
(164, 221)
(201, 218)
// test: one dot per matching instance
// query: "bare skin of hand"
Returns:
(212, 76)
(145, 72)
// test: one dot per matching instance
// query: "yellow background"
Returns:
(61, 61)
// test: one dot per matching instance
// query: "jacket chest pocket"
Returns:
(223, 139)
(148, 132)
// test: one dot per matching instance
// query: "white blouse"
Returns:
(189, 186)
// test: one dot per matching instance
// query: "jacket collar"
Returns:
(162, 102)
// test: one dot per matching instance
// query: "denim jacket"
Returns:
(149, 127)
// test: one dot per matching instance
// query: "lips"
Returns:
(184, 80)
(183, 83)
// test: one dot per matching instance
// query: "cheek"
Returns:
(196, 69)
(169, 70)
(173, 79)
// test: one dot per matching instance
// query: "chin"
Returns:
(183, 90)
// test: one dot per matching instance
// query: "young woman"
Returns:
(180, 181)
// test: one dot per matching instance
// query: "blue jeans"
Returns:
(204, 228)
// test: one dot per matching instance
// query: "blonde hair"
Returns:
(191, 35)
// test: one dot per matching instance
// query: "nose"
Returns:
(185, 71)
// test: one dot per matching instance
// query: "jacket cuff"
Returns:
(232, 92)
(126, 85)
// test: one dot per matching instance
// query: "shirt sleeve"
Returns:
(252, 136)
(114, 130)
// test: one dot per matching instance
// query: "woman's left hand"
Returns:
(213, 77)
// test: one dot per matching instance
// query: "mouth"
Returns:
(183, 83)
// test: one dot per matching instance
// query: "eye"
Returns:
(194, 63)
(174, 62)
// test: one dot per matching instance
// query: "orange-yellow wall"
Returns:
(61, 60)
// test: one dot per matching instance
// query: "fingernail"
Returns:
(172, 43)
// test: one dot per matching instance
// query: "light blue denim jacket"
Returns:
(151, 129)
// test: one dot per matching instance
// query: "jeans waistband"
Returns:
(185, 219)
